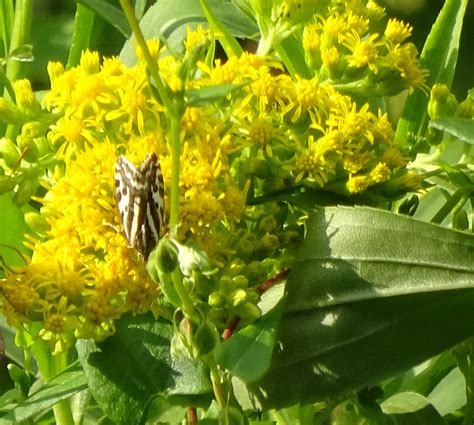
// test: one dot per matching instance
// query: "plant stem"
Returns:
(62, 410)
(151, 64)
(174, 190)
(186, 301)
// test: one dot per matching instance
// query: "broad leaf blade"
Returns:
(439, 57)
(371, 294)
(129, 368)
(168, 19)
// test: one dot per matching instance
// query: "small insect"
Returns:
(140, 199)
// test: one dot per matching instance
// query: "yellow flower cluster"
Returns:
(345, 43)
(272, 132)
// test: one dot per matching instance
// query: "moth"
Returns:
(140, 199)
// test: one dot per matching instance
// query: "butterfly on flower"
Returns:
(140, 198)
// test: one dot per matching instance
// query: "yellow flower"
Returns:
(364, 51)
(357, 184)
(311, 39)
(397, 31)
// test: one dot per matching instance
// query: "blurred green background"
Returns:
(53, 23)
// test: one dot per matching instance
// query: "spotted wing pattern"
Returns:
(140, 199)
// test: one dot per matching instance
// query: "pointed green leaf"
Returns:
(411, 409)
(209, 94)
(370, 295)
(63, 386)
(439, 57)
(111, 14)
(461, 128)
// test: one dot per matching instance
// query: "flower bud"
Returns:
(7, 184)
(460, 220)
(25, 98)
(166, 256)
(240, 282)
(9, 152)
(247, 311)
(26, 189)
(37, 222)
(236, 267)
(10, 114)
(206, 339)
(245, 246)
(267, 224)
(216, 299)
(442, 102)
(238, 297)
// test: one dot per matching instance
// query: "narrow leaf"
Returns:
(461, 128)
(210, 94)
(389, 288)
(229, 44)
(110, 14)
(439, 57)
(60, 388)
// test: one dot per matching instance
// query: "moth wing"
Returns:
(126, 181)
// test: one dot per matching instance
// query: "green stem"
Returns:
(62, 410)
(186, 301)
(175, 165)
(20, 36)
(216, 385)
(151, 64)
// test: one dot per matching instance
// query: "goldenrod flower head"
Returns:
(154, 47)
(374, 11)
(25, 98)
(196, 38)
(397, 31)
(89, 62)
(380, 173)
(311, 38)
(357, 184)
(364, 51)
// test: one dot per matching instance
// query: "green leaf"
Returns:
(411, 409)
(12, 230)
(110, 14)
(230, 45)
(292, 54)
(247, 354)
(81, 39)
(63, 386)
(461, 128)
(370, 294)
(168, 19)
(439, 57)
(129, 368)
(209, 94)
(450, 394)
